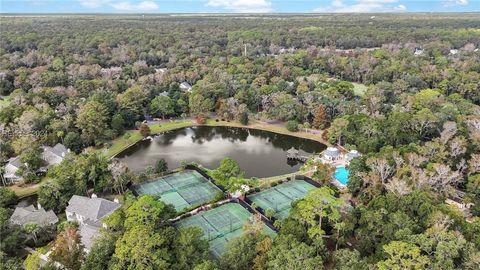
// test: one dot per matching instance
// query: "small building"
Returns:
(88, 213)
(332, 153)
(453, 51)
(352, 154)
(50, 155)
(418, 51)
(29, 215)
(54, 155)
(11, 169)
(185, 86)
(292, 153)
(161, 70)
(163, 94)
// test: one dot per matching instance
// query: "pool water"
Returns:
(341, 174)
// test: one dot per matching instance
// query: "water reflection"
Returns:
(259, 153)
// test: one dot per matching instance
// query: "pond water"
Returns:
(259, 153)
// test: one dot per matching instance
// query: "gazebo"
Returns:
(292, 153)
(331, 153)
(352, 154)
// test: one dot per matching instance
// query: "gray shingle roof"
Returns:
(15, 161)
(332, 152)
(30, 215)
(91, 208)
(87, 234)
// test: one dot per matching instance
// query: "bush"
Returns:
(292, 126)
(244, 118)
(201, 120)
(161, 166)
(145, 130)
(127, 136)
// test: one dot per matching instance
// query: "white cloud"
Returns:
(364, 6)
(122, 6)
(452, 3)
(127, 6)
(242, 6)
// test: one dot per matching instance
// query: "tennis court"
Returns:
(183, 190)
(220, 225)
(280, 198)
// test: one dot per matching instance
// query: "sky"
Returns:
(236, 6)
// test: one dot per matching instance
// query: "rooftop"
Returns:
(29, 215)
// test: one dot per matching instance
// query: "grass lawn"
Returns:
(27, 190)
(120, 144)
(359, 89)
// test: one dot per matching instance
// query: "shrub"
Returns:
(145, 130)
(201, 120)
(244, 118)
(161, 166)
(292, 126)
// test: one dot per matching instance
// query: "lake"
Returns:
(259, 153)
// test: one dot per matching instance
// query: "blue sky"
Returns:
(221, 6)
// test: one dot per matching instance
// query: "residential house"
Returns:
(29, 215)
(88, 213)
(185, 86)
(50, 155)
(54, 155)
(332, 153)
(11, 169)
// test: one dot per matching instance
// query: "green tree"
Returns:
(142, 247)
(101, 252)
(337, 130)
(73, 141)
(161, 166)
(199, 105)
(32, 262)
(132, 103)
(289, 253)
(190, 248)
(8, 198)
(241, 252)
(162, 105)
(118, 124)
(403, 255)
(148, 211)
(292, 126)
(92, 120)
(346, 259)
(319, 204)
(244, 118)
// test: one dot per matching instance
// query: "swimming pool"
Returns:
(341, 174)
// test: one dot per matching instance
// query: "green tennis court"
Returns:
(280, 198)
(183, 190)
(220, 225)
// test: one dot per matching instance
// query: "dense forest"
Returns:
(83, 80)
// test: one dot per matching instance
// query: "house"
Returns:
(163, 94)
(160, 70)
(352, 154)
(418, 51)
(185, 86)
(50, 155)
(453, 51)
(11, 169)
(54, 155)
(331, 153)
(88, 213)
(29, 215)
